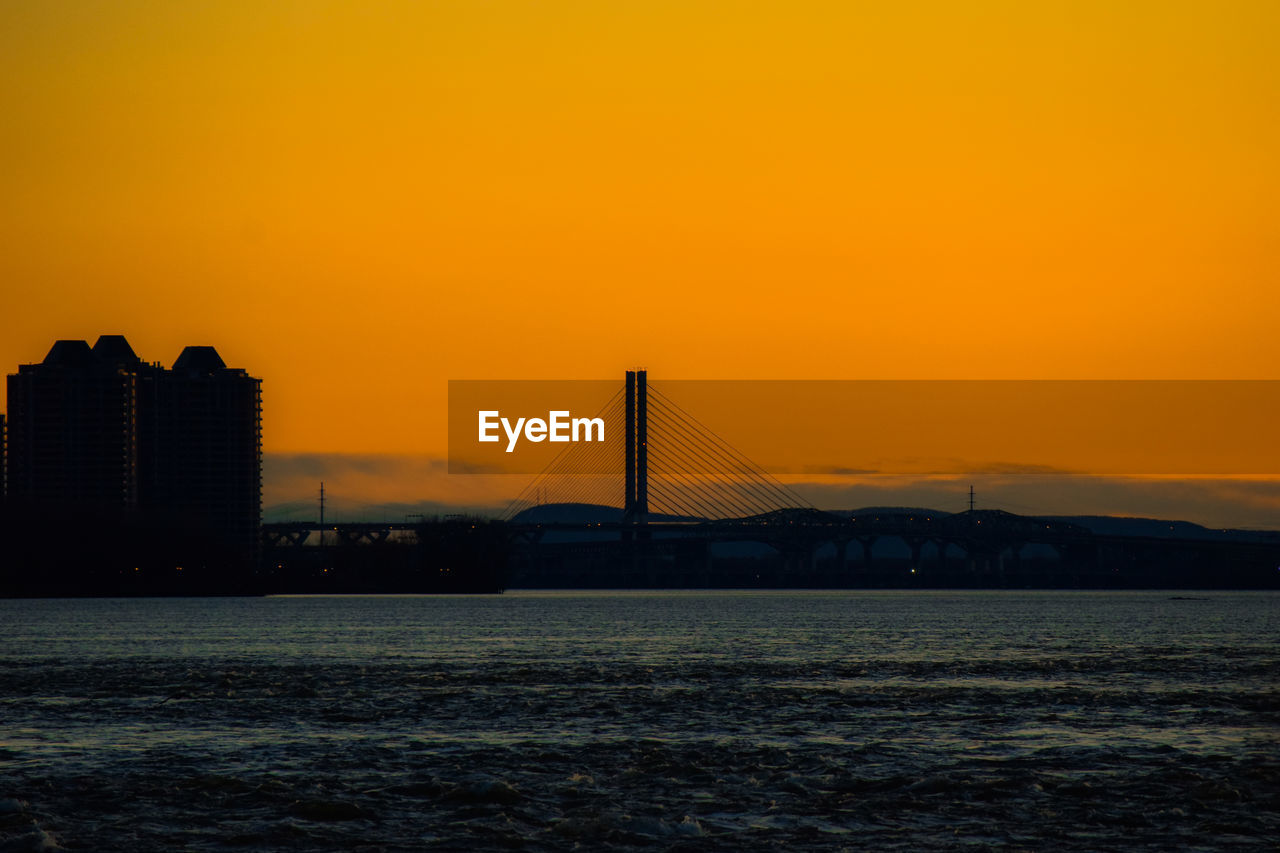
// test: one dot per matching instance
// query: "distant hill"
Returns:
(585, 513)
(581, 513)
(578, 513)
(889, 510)
(1108, 525)
(574, 513)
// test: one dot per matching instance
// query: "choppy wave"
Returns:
(683, 722)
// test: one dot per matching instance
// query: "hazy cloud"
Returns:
(375, 486)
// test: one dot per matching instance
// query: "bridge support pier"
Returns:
(842, 555)
(916, 543)
(1015, 560)
(867, 542)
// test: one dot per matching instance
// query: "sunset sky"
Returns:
(360, 201)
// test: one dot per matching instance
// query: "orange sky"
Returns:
(359, 201)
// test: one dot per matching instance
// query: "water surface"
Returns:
(646, 720)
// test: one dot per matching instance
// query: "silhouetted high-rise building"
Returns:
(98, 427)
(73, 430)
(201, 443)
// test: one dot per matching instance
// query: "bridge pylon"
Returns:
(636, 501)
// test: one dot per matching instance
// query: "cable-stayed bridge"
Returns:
(658, 503)
(665, 461)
